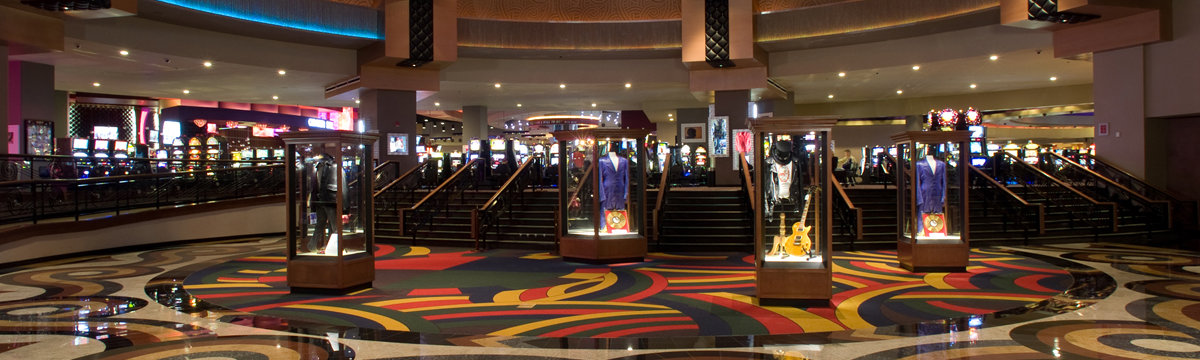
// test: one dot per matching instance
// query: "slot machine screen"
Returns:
(279, 153)
(496, 144)
(79, 143)
(976, 148)
(262, 153)
(978, 161)
(102, 145)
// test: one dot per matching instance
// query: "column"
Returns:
(475, 123)
(393, 112)
(736, 105)
(30, 96)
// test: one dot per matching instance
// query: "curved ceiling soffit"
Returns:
(569, 10)
(601, 36)
(851, 17)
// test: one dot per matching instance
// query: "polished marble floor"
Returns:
(1126, 302)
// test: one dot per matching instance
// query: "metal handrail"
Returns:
(1036, 186)
(15, 167)
(664, 186)
(848, 213)
(407, 177)
(1014, 207)
(1151, 211)
(487, 216)
(1185, 213)
(34, 200)
(423, 212)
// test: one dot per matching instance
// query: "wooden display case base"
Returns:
(918, 257)
(603, 250)
(809, 287)
(325, 275)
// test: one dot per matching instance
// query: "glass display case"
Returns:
(792, 208)
(330, 240)
(931, 200)
(602, 195)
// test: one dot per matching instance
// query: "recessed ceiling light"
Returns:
(208, 64)
(916, 67)
(994, 57)
(1053, 78)
(275, 97)
(830, 96)
(96, 84)
(518, 105)
(670, 119)
(124, 52)
(973, 86)
(562, 86)
(497, 85)
(186, 91)
(841, 74)
(670, 115)
(628, 85)
(282, 72)
(357, 101)
(898, 92)
(593, 104)
(437, 104)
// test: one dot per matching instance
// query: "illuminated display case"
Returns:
(931, 200)
(602, 195)
(792, 208)
(330, 239)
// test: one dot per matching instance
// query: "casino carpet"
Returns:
(526, 293)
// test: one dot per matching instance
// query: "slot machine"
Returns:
(978, 157)
(178, 153)
(262, 154)
(102, 154)
(120, 157)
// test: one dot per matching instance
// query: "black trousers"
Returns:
(325, 215)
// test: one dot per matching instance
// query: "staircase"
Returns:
(387, 220)
(453, 225)
(879, 218)
(703, 219)
(530, 225)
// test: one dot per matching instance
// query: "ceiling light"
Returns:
(628, 85)
(208, 64)
(437, 104)
(497, 85)
(562, 86)
(898, 92)
(830, 96)
(994, 57)
(282, 72)
(670, 115)
(841, 74)
(96, 84)
(670, 119)
(916, 67)
(593, 104)
(518, 105)
(973, 86)
(124, 52)
(1053, 78)
(186, 91)
(275, 97)
(357, 101)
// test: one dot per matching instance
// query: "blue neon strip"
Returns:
(311, 15)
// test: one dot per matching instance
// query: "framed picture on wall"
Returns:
(743, 144)
(718, 140)
(691, 132)
(397, 144)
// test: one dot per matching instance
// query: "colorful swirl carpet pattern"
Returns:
(523, 293)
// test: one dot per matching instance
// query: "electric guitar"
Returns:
(777, 242)
(804, 244)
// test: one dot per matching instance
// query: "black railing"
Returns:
(37, 200)
(1185, 214)
(849, 217)
(1015, 212)
(15, 167)
(385, 174)
(1031, 183)
(1155, 214)
(420, 215)
(487, 217)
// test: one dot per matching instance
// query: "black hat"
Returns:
(782, 150)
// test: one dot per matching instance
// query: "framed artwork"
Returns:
(397, 144)
(1102, 129)
(718, 140)
(691, 132)
(743, 143)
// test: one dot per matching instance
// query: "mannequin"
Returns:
(324, 200)
(784, 174)
(614, 179)
(931, 185)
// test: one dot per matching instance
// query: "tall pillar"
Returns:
(30, 96)
(475, 123)
(734, 104)
(1119, 88)
(394, 113)
(4, 138)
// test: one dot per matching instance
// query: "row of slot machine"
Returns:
(100, 157)
(195, 153)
